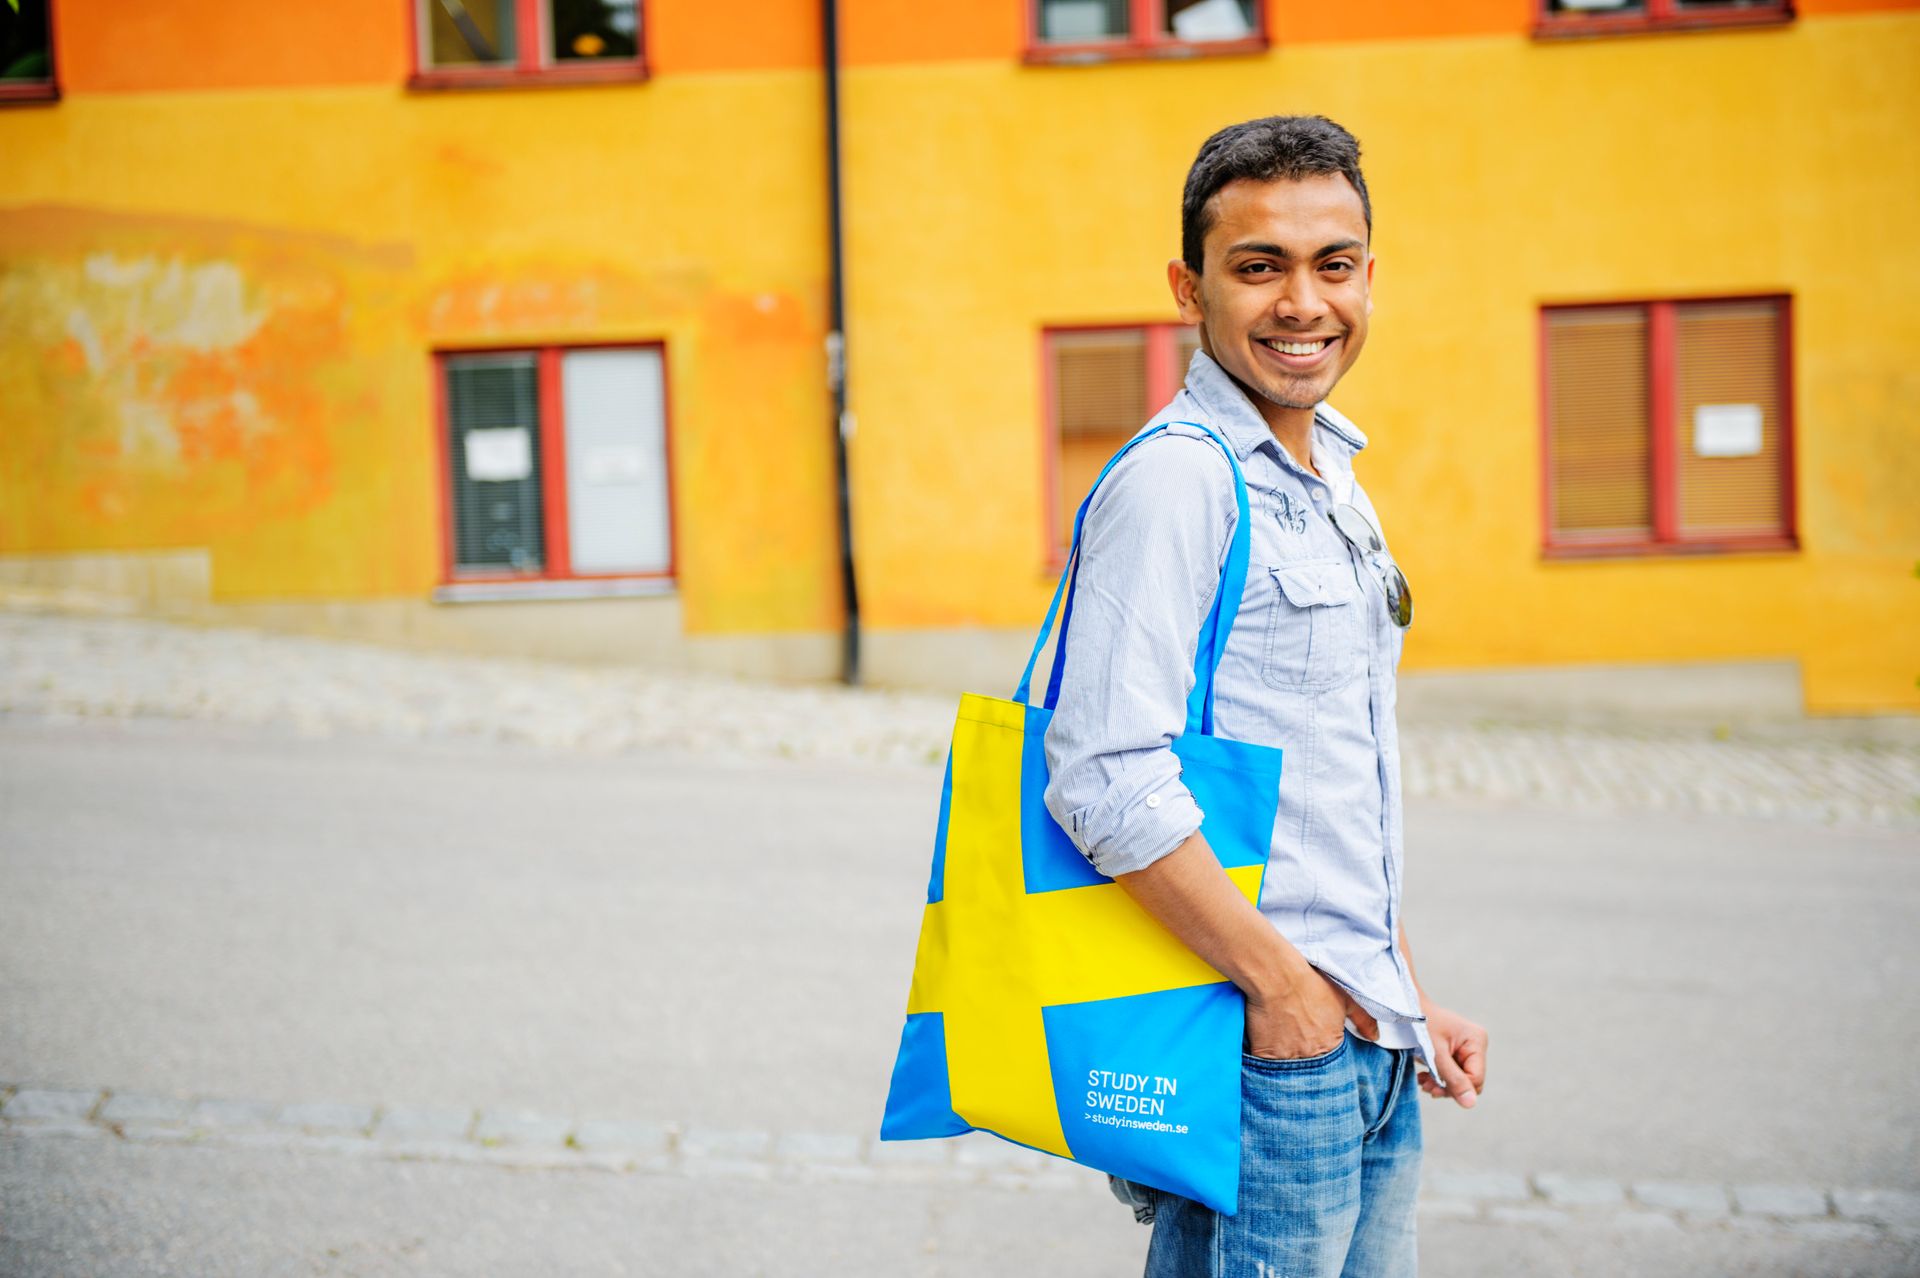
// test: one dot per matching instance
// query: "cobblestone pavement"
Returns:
(516, 1139)
(67, 666)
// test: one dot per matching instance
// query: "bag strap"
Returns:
(1212, 642)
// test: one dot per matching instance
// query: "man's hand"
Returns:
(1292, 1010)
(1460, 1051)
(1308, 1020)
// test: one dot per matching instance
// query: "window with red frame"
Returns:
(1610, 17)
(26, 51)
(556, 463)
(1090, 30)
(475, 42)
(1102, 385)
(1668, 426)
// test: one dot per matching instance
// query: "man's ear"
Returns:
(1369, 284)
(1185, 285)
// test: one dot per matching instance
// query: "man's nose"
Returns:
(1300, 300)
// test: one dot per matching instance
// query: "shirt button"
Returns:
(1153, 800)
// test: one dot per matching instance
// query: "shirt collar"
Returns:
(1223, 400)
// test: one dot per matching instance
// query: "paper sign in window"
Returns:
(502, 453)
(1727, 430)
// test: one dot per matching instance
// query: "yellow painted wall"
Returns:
(989, 200)
(219, 308)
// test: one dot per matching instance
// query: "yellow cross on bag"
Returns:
(992, 954)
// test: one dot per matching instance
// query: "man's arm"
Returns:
(1155, 536)
(1151, 551)
(1459, 1046)
(1292, 1011)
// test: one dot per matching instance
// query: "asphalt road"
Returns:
(194, 910)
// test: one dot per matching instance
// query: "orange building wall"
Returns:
(173, 45)
(110, 46)
(686, 37)
(182, 45)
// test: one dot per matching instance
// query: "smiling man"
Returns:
(1275, 272)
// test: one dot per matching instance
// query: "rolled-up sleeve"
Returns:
(1150, 559)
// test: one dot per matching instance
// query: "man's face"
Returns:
(1282, 299)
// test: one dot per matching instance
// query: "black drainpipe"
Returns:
(837, 345)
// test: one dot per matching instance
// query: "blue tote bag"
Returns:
(1048, 1008)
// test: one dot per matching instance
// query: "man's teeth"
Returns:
(1299, 348)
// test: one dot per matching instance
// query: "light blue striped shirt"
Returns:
(1310, 667)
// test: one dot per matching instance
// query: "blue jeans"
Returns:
(1329, 1174)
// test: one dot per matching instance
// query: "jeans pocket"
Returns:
(1269, 1065)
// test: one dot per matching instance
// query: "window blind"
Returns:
(1100, 400)
(1598, 429)
(1727, 421)
(616, 462)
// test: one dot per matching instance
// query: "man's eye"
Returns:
(1340, 267)
(1251, 267)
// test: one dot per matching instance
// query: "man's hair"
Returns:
(1274, 149)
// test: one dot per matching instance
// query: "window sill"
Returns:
(515, 591)
(1670, 549)
(1079, 55)
(30, 93)
(1588, 27)
(514, 78)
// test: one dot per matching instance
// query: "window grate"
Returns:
(494, 450)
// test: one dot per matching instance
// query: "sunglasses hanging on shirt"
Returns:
(1365, 538)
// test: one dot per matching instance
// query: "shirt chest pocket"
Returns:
(1314, 638)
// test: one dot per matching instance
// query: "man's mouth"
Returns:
(1298, 352)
